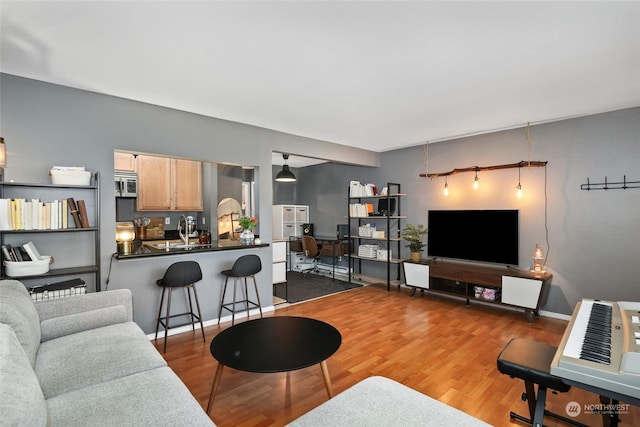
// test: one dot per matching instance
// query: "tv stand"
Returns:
(503, 285)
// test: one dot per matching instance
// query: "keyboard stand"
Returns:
(531, 361)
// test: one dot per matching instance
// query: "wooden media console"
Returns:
(497, 285)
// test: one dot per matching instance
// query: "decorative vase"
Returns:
(416, 256)
(247, 237)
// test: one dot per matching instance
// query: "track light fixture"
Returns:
(285, 175)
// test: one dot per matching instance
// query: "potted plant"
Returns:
(413, 235)
(248, 224)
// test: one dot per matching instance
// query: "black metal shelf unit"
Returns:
(393, 227)
(67, 251)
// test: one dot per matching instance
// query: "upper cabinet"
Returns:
(168, 184)
(125, 162)
(187, 176)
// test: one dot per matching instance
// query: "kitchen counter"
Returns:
(144, 249)
(149, 260)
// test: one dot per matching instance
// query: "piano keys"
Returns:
(601, 348)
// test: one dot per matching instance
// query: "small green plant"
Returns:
(248, 223)
(413, 235)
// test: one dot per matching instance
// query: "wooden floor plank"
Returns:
(433, 344)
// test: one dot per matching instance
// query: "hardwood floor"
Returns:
(433, 344)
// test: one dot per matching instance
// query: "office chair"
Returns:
(311, 252)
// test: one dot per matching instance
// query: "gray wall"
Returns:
(594, 236)
(45, 125)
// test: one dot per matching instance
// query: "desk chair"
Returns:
(311, 252)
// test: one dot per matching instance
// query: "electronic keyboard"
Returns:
(601, 347)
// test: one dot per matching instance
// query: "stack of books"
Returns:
(24, 260)
(22, 214)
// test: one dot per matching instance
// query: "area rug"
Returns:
(312, 286)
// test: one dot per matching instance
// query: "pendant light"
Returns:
(475, 181)
(285, 175)
(519, 187)
(446, 187)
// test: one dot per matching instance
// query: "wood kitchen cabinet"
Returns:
(187, 176)
(125, 162)
(166, 184)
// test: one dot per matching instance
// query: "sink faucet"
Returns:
(184, 236)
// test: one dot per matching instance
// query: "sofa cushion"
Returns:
(152, 398)
(91, 357)
(379, 401)
(18, 311)
(73, 323)
(21, 399)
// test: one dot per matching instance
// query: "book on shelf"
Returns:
(84, 218)
(360, 210)
(357, 189)
(26, 252)
(73, 210)
(31, 250)
(6, 254)
(23, 214)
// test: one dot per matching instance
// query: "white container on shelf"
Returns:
(70, 177)
(27, 268)
(368, 251)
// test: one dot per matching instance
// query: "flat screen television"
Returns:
(475, 235)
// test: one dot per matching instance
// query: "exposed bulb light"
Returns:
(475, 182)
(285, 175)
(519, 187)
(446, 187)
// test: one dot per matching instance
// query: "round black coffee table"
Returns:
(275, 344)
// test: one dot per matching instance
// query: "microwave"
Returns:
(126, 184)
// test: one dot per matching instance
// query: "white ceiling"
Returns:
(378, 75)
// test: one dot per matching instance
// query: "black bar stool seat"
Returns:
(531, 362)
(244, 267)
(183, 275)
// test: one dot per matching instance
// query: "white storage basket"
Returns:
(368, 251)
(366, 230)
(27, 268)
(70, 177)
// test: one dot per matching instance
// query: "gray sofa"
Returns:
(82, 361)
(379, 401)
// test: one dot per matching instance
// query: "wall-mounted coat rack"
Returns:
(522, 164)
(606, 185)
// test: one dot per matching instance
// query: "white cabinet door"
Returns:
(279, 272)
(279, 257)
(521, 292)
(416, 275)
(279, 251)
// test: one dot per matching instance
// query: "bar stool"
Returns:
(244, 267)
(183, 274)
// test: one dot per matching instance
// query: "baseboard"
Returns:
(213, 322)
